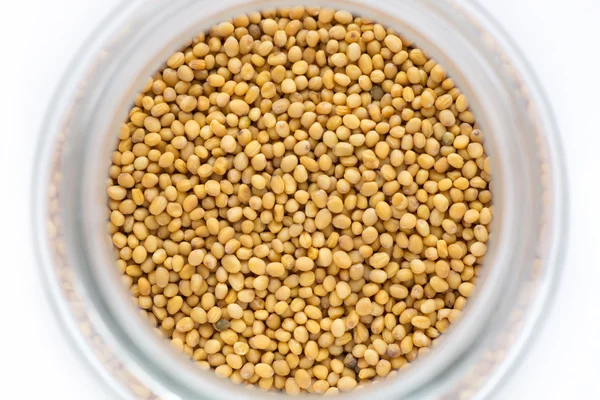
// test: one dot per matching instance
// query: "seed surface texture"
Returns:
(300, 200)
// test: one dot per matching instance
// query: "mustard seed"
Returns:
(301, 200)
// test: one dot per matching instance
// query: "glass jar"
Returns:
(522, 265)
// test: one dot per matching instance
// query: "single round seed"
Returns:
(241, 348)
(222, 325)
(260, 342)
(420, 322)
(302, 379)
(338, 328)
(264, 370)
(364, 307)
(346, 383)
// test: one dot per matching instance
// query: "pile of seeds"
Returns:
(300, 200)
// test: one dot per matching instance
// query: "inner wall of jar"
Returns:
(137, 58)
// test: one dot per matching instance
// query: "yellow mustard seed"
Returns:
(300, 200)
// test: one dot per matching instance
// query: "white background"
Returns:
(39, 37)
